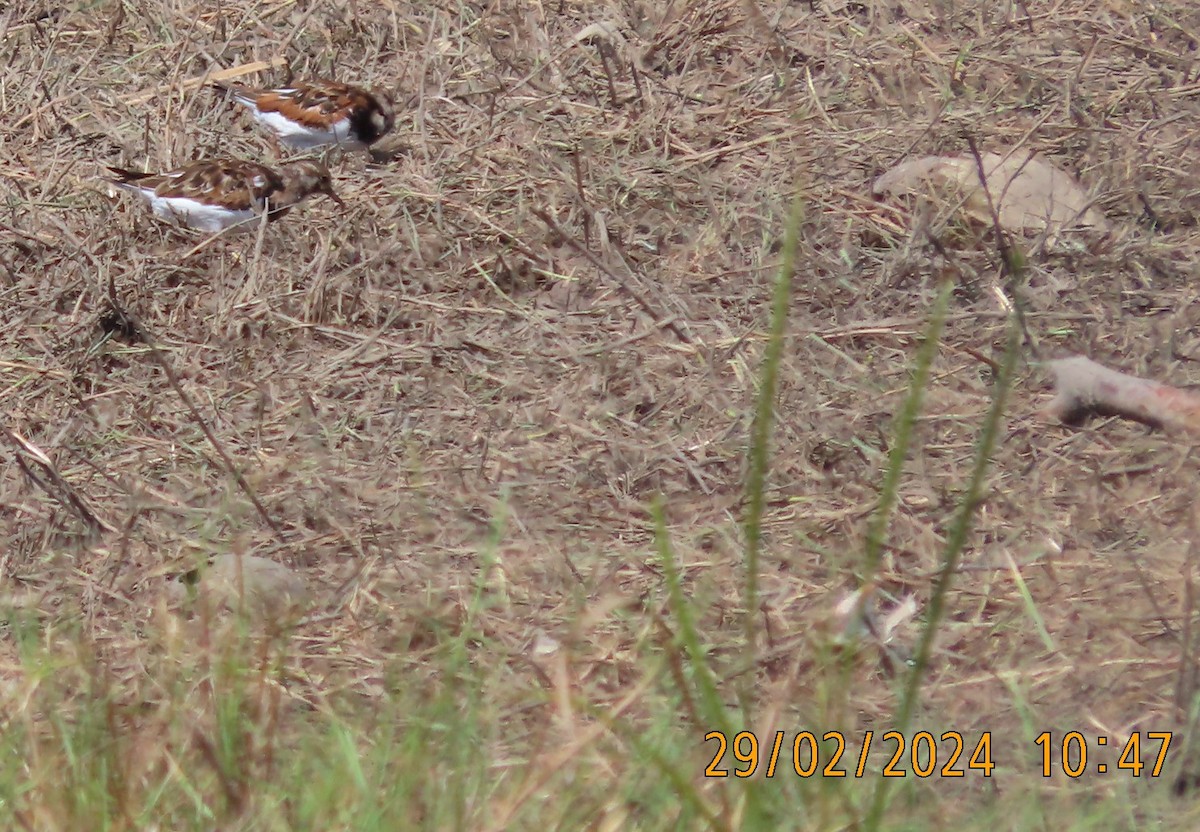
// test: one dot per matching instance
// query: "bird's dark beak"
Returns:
(329, 192)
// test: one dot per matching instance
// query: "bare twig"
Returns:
(621, 283)
(139, 332)
(51, 481)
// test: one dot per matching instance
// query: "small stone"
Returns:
(270, 590)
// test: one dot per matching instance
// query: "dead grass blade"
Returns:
(52, 482)
(197, 81)
(141, 334)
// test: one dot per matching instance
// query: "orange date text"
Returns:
(807, 755)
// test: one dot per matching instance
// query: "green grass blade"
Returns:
(909, 412)
(708, 699)
(760, 434)
(955, 542)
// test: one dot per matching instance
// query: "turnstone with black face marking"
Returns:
(214, 194)
(319, 114)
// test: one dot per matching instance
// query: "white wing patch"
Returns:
(190, 212)
(301, 137)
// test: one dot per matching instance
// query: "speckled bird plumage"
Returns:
(214, 194)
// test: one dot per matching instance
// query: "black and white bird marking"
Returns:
(319, 114)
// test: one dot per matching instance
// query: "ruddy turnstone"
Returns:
(214, 194)
(319, 114)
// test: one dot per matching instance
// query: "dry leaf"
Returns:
(901, 614)
(853, 613)
(858, 613)
(543, 645)
(604, 30)
(1029, 193)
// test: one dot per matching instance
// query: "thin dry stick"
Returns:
(539, 775)
(616, 345)
(1185, 682)
(621, 283)
(54, 484)
(1011, 260)
(198, 81)
(249, 287)
(132, 325)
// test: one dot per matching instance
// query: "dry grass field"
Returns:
(451, 407)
